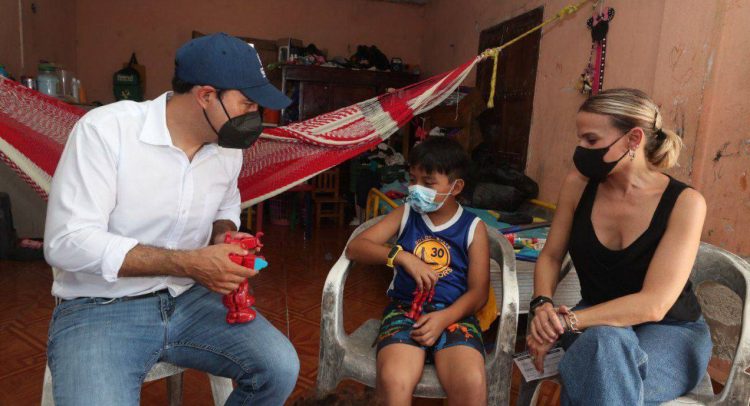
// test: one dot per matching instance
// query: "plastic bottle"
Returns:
(75, 88)
(47, 81)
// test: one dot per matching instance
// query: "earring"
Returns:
(632, 154)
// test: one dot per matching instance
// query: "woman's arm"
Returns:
(547, 269)
(667, 273)
(546, 326)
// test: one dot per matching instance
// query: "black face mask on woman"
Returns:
(239, 132)
(590, 161)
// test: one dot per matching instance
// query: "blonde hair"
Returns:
(630, 108)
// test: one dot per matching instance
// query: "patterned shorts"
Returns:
(395, 328)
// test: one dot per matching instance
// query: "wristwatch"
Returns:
(392, 255)
(538, 301)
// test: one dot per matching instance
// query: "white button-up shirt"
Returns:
(121, 182)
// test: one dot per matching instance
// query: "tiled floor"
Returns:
(288, 293)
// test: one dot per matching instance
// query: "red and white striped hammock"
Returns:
(35, 127)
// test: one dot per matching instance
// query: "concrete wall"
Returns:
(47, 32)
(722, 154)
(689, 55)
(108, 33)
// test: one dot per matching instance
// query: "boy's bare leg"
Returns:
(461, 371)
(399, 370)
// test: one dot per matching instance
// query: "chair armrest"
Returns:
(716, 264)
(332, 304)
(565, 267)
(500, 362)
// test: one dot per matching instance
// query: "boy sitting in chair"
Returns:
(441, 279)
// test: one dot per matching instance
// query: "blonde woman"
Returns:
(633, 232)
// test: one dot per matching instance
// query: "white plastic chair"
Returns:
(712, 264)
(221, 387)
(353, 356)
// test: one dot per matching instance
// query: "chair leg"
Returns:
(174, 389)
(528, 393)
(47, 396)
(317, 214)
(327, 381)
(221, 388)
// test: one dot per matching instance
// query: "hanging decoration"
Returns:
(592, 78)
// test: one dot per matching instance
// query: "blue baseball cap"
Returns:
(227, 62)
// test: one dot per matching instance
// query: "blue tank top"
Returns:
(445, 246)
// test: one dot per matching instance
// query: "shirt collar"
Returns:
(155, 129)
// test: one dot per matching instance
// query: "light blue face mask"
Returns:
(422, 198)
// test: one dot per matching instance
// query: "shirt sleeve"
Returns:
(82, 196)
(229, 208)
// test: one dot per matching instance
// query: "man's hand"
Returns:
(538, 350)
(212, 268)
(423, 274)
(429, 327)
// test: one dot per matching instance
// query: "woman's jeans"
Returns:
(646, 364)
(100, 350)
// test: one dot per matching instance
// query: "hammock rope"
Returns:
(494, 53)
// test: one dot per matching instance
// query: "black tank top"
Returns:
(606, 274)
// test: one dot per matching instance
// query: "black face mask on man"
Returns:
(590, 161)
(239, 132)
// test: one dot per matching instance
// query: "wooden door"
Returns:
(506, 127)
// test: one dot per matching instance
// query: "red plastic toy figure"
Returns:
(239, 301)
(420, 298)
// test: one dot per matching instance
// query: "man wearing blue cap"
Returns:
(140, 203)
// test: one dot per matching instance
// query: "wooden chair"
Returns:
(326, 199)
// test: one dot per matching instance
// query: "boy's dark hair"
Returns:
(442, 155)
(180, 86)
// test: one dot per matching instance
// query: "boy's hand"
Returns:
(428, 328)
(423, 274)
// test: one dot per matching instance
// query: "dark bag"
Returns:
(492, 196)
(127, 82)
(7, 232)
(9, 243)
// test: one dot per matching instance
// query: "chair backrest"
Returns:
(730, 336)
(716, 264)
(501, 253)
(327, 183)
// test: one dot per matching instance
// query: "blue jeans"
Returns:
(100, 350)
(646, 364)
